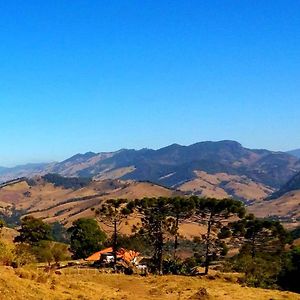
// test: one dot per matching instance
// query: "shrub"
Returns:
(23, 255)
(260, 271)
(6, 254)
(47, 251)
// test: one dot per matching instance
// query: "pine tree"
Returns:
(156, 224)
(214, 214)
(112, 214)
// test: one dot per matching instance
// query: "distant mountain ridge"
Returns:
(295, 152)
(175, 165)
(22, 170)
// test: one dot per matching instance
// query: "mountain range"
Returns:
(217, 169)
(267, 181)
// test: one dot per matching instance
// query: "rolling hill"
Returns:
(54, 198)
(65, 199)
(283, 204)
(223, 168)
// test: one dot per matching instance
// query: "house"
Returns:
(106, 256)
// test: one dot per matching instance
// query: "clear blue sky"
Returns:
(79, 76)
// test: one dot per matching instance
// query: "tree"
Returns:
(33, 230)
(260, 271)
(260, 235)
(85, 237)
(48, 251)
(156, 224)
(181, 209)
(290, 273)
(59, 233)
(112, 213)
(214, 214)
(262, 246)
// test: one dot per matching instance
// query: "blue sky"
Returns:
(79, 76)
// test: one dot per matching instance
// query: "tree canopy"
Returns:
(33, 230)
(86, 237)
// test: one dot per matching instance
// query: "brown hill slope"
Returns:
(222, 185)
(286, 208)
(284, 204)
(57, 203)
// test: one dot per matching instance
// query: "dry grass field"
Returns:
(23, 284)
(55, 203)
(287, 206)
(222, 185)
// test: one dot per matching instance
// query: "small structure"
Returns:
(100, 255)
(127, 260)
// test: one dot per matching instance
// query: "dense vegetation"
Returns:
(67, 182)
(12, 217)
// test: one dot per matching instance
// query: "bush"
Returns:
(260, 271)
(173, 266)
(47, 251)
(15, 255)
(6, 254)
(23, 255)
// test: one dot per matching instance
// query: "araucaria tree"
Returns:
(262, 250)
(260, 235)
(157, 222)
(181, 209)
(112, 213)
(215, 214)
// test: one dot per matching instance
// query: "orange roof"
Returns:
(127, 255)
(96, 256)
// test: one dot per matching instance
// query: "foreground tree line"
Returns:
(261, 248)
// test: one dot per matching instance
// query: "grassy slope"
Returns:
(89, 284)
(222, 185)
(65, 205)
(287, 205)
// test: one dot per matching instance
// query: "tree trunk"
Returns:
(159, 244)
(115, 241)
(176, 237)
(160, 254)
(207, 251)
(253, 247)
